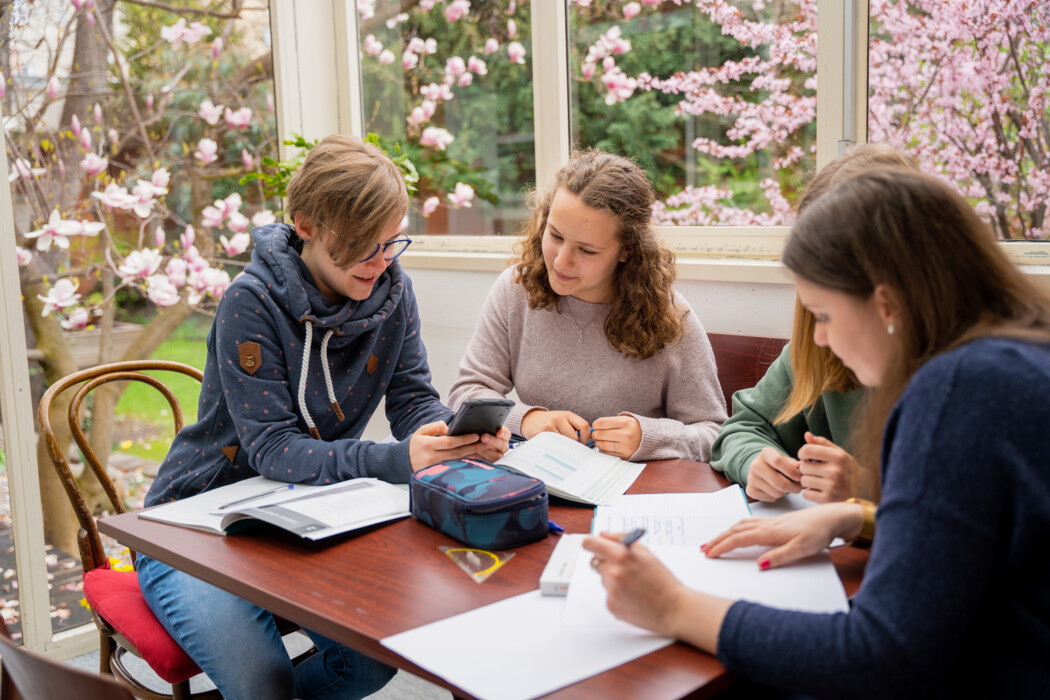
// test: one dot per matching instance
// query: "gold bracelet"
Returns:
(867, 528)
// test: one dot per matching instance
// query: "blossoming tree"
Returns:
(125, 175)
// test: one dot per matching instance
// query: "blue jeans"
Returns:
(237, 643)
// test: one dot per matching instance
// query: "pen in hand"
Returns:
(632, 536)
(246, 499)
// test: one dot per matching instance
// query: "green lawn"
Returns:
(145, 404)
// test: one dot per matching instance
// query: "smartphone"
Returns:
(482, 416)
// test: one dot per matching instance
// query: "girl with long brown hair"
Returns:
(791, 432)
(587, 329)
(912, 292)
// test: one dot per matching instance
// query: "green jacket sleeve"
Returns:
(750, 428)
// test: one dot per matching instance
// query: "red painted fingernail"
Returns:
(703, 546)
(763, 564)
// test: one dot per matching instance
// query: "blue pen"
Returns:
(555, 527)
(632, 536)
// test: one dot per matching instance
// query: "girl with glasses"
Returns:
(322, 325)
(588, 329)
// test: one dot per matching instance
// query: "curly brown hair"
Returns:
(644, 317)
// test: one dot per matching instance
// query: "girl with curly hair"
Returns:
(587, 327)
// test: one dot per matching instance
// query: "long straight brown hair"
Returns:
(816, 369)
(948, 277)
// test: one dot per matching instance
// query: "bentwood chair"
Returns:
(29, 676)
(125, 623)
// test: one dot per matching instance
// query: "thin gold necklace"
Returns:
(580, 326)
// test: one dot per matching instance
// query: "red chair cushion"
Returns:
(117, 598)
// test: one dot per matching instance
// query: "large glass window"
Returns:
(129, 129)
(717, 101)
(963, 88)
(451, 84)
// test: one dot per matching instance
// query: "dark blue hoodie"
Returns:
(266, 409)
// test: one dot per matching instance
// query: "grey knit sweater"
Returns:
(674, 395)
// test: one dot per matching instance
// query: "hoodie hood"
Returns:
(277, 262)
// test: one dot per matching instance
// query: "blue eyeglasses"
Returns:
(392, 250)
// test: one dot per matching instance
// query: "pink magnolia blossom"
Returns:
(85, 139)
(516, 52)
(587, 70)
(426, 5)
(94, 165)
(238, 222)
(263, 217)
(436, 92)
(491, 46)
(416, 117)
(113, 136)
(76, 321)
(372, 46)
(216, 48)
(465, 80)
(436, 138)
(3, 85)
(462, 196)
(176, 271)
(477, 66)
(139, 264)
(386, 57)
(457, 10)
(512, 28)
(24, 256)
(159, 239)
(187, 237)
(211, 217)
(161, 291)
(25, 170)
(209, 112)
(651, 3)
(240, 119)
(74, 125)
(91, 228)
(430, 205)
(52, 87)
(142, 199)
(207, 151)
(179, 33)
(97, 113)
(113, 197)
(409, 60)
(631, 10)
(430, 46)
(618, 85)
(246, 159)
(62, 295)
(416, 45)
(366, 9)
(583, 3)
(237, 244)
(270, 107)
(209, 280)
(149, 102)
(455, 66)
(55, 232)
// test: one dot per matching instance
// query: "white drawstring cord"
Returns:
(328, 374)
(302, 381)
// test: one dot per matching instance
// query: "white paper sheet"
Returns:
(811, 585)
(518, 648)
(674, 518)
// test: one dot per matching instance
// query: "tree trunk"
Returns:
(60, 524)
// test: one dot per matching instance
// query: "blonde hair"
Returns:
(950, 280)
(643, 318)
(817, 370)
(352, 190)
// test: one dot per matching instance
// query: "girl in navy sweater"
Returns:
(911, 291)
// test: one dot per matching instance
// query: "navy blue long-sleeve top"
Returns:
(257, 404)
(955, 600)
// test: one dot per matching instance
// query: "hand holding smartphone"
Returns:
(483, 416)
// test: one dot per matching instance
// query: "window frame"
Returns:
(717, 253)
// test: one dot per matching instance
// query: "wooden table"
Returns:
(362, 587)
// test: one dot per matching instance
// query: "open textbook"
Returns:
(571, 470)
(313, 512)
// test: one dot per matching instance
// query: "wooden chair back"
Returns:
(29, 676)
(742, 360)
(92, 555)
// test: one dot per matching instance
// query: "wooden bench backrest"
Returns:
(742, 360)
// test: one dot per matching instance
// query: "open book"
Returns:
(313, 512)
(571, 470)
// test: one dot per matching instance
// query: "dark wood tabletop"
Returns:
(361, 587)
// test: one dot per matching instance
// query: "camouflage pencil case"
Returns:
(480, 504)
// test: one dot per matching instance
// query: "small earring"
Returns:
(890, 329)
